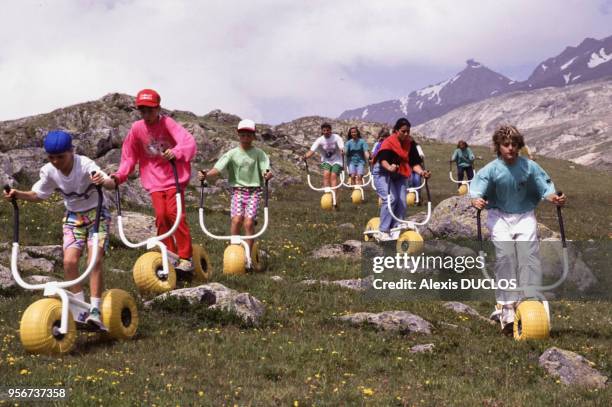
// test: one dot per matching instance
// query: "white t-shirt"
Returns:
(329, 148)
(79, 195)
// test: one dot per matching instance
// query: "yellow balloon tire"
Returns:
(373, 224)
(146, 278)
(234, 260)
(411, 198)
(260, 263)
(39, 321)
(203, 270)
(463, 189)
(531, 321)
(409, 242)
(119, 314)
(356, 197)
(327, 202)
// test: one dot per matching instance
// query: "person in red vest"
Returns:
(393, 163)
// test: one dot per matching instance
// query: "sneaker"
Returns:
(384, 237)
(95, 320)
(184, 270)
(507, 319)
(184, 265)
(496, 314)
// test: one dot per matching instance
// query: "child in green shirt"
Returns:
(247, 166)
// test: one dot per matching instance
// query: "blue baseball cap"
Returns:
(57, 142)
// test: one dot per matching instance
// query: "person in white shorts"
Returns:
(331, 149)
(511, 187)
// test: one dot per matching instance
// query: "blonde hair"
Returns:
(505, 133)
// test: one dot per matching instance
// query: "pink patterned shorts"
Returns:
(78, 229)
(245, 201)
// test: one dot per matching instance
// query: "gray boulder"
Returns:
(136, 226)
(6, 279)
(571, 368)
(358, 284)
(424, 348)
(25, 262)
(551, 254)
(401, 321)
(350, 248)
(217, 296)
(461, 308)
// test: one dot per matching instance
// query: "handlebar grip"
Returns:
(7, 189)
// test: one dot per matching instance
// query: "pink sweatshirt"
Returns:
(144, 145)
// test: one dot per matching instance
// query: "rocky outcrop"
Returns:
(357, 284)
(401, 321)
(350, 248)
(6, 279)
(572, 368)
(136, 226)
(217, 296)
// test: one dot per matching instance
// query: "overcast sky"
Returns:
(272, 60)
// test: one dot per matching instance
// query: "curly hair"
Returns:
(462, 142)
(505, 133)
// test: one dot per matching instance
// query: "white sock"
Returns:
(95, 302)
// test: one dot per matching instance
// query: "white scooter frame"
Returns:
(57, 288)
(154, 241)
(404, 224)
(235, 239)
(416, 191)
(359, 187)
(462, 182)
(326, 190)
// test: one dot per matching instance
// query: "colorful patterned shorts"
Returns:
(245, 201)
(78, 228)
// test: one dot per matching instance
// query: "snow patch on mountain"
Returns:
(598, 58)
(404, 104)
(568, 63)
(365, 113)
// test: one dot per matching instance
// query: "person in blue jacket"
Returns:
(356, 151)
(464, 158)
(511, 187)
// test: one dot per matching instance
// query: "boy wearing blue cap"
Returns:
(70, 174)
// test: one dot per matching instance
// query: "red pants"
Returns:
(164, 203)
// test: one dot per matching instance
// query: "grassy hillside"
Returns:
(300, 355)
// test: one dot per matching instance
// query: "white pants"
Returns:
(517, 251)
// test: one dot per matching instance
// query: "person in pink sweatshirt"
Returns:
(151, 143)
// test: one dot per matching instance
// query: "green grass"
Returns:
(186, 355)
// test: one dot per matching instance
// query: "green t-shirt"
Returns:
(245, 168)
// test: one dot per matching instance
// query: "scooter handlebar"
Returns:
(7, 189)
(560, 218)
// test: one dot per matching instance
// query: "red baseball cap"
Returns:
(148, 97)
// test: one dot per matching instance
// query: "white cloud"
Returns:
(236, 55)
